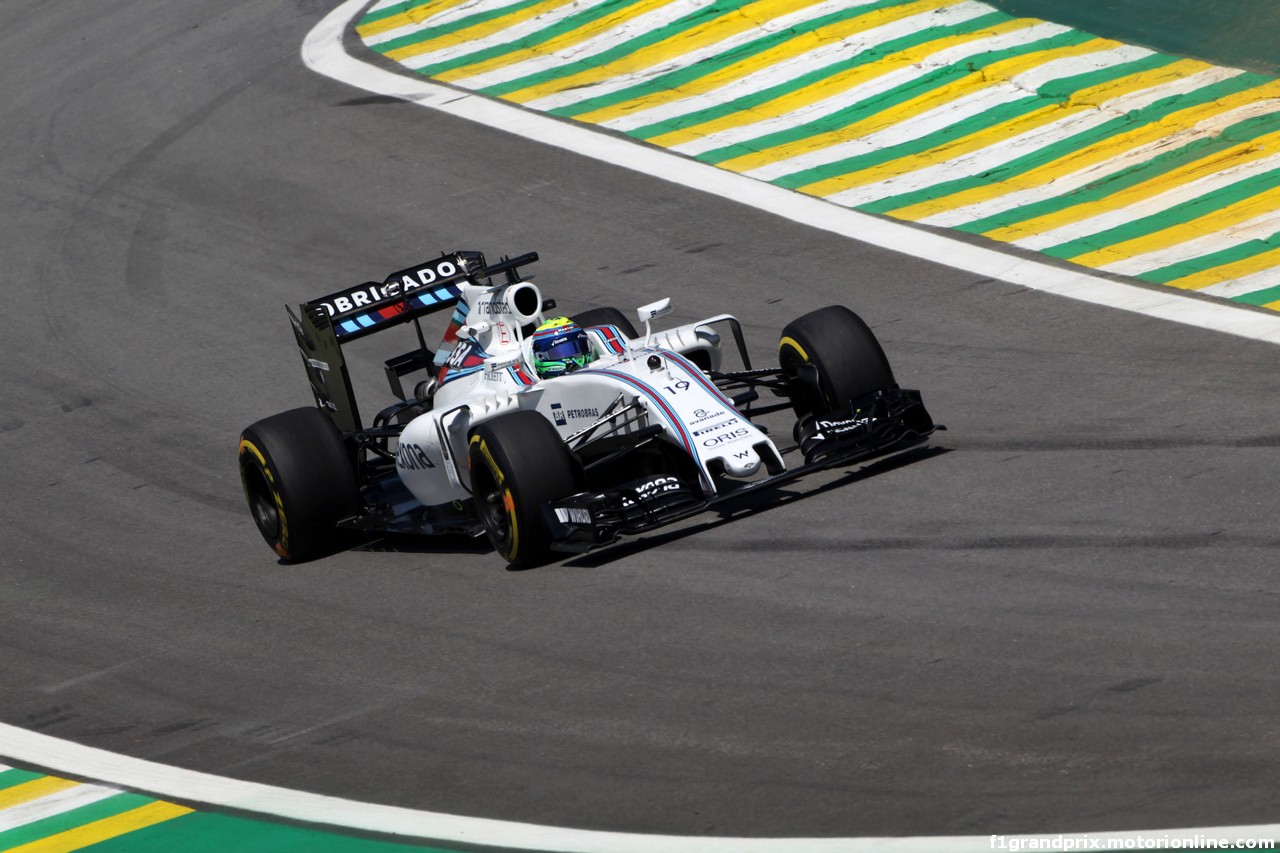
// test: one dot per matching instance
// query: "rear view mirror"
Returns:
(653, 310)
(646, 313)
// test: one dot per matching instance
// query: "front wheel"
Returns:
(299, 482)
(518, 465)
(831, 357)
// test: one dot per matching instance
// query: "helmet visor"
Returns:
(559, 349)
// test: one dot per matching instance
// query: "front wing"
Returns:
(878, 424)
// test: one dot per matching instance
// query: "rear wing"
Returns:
(322, 326)
(402, 296)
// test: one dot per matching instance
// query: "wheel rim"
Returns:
(804, 399)
(491, 500)
(262, 503)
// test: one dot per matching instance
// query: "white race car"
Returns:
(552, 433)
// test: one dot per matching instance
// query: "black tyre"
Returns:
(299, 481)
(845, 353)
(519, 465)
(606, 317)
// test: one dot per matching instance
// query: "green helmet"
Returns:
(560, 346)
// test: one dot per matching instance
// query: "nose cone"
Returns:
(742, 463)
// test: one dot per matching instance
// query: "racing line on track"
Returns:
(1029, 133)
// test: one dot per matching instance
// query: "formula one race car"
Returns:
(551, 433)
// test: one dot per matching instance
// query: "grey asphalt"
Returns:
(1062, 619)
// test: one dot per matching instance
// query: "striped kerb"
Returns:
(944, 112)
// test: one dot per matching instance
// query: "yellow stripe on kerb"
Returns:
(986, 78)
(715, 29)
(1213, 222)
(413, 15)
(1084, 101)
(562, 42)
(1182, 121)
(475, 32)
(790, 49)
(104, 830)
(33, 790)
(1237, 155)
(1229, 272)
(787, 50)
(841, 82)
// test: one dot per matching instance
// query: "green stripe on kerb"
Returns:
(1067, 146)
(576, 21)
(939, 138)
(1060, 90)
(1259, 297)
(706, 67)
(452, 27)
(194, 832)
(389, 12)
(1057, 91)
(1177, 215)
(9, 778)
(885, 101)
(760, 80)
(110, 807)
(873, 54)
(204, 832)
(623, 48)
(1231, 255)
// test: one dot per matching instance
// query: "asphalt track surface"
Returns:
(1061, 620)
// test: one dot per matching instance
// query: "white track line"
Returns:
(189, 786)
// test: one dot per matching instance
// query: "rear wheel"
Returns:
(518, 465)
(831, 357)
(299, 482)
(606, 317)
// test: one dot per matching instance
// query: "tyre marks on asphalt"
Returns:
(943, 112)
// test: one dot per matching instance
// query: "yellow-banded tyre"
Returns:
(841, 349)
(518, 465)
(299, 481)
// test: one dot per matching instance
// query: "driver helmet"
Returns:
(560, 346)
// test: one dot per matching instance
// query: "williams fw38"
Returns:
(552, 433)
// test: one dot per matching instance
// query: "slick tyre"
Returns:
(841, 349)
(519, 465)
(299, 482)
(606, 317)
